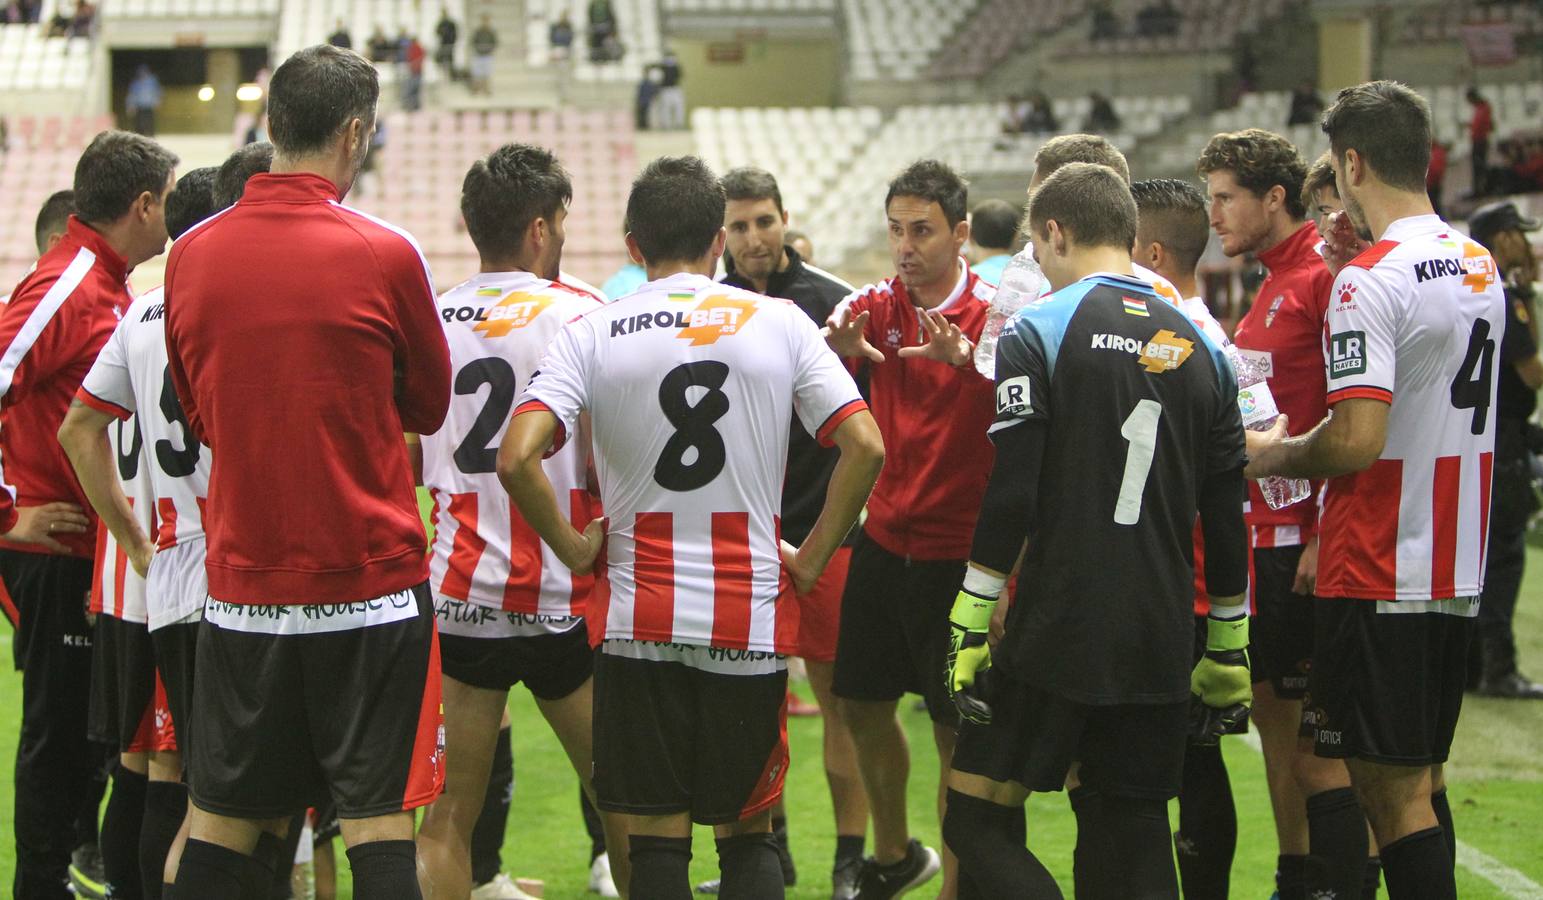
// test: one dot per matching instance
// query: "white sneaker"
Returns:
(600, 877)
(502, 887)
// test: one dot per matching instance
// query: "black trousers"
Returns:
(1512, 504)
(1480, 161)
(56, 766)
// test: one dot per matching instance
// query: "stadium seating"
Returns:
(32, 61)
(995, 30)
(741, 6)
(416, 182)
(40, 160)
(637, 23)
(897, 39)
(193, 9)
(1445, 21)
(303, 23)
(1204, 26)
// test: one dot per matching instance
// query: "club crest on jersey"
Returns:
(1165, 351)
(1013, 397)
(1347, 354)
(516, 310)
(1269, 317)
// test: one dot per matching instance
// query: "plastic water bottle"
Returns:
(1022, 283)
(1257, 406)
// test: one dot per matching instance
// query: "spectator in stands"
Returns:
(1306, 105)
(1017, 114)
(643, 103)
(560, 37)
(413, 58)
(1105, 24)
(13, 13)
(1480, 127)
(1160, 19)
(340, 36)
(1102, 119)
(1041, 118)
(83, 20)
(1521, 167)
(602, 30)
(382, 48)
(59, 25)
(143, 100)
(1436, 175)
(801, 245)
(670, 104)
(993, 232)
(5, 139)
(448, 33)
(483, 42)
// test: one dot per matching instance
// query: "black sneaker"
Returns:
(709, 887)
(883, 882)
(843, 878)
(87, 875)
(1514, 686)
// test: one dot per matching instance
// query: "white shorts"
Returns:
(177, 585)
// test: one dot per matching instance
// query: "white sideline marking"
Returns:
(1509, 881)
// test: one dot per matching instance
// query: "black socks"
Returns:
(750, 867)
(209, 870)
(989, 840)
(1336, 835)
(166, 803)
(1208, 825)
(1417, 867)
(661, 867)
(121, 823)
(385, 870)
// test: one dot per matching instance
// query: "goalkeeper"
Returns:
(1117, 424)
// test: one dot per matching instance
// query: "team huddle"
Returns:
(1044, 516)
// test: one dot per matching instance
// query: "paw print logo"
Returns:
(892, 337)
(1347, 296)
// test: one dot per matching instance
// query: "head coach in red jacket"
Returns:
(58, 319)
(303, 340)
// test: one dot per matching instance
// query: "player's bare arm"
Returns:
(862, 456)
(844, 333)
(1349, 440)
(83, 435)
(520, 472)
(945, 342)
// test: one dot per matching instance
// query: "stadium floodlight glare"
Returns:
(249, 93)
(206, 93)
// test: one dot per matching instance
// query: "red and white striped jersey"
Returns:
(116, 589)
(498, 326)
(1414, 322)
(690, 386)
(130, 377)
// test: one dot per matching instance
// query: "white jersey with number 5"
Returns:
(1415, 322)
(130, 377)
(498, 325)
(691, 386)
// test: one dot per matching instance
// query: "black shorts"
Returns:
(175, 649)
(124, 690)
(672, 738)
(281, 721)
(1280, 647)
(1129, 750)
(1386, 687)
(894, 628)
(552, 666)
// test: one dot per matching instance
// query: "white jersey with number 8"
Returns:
(690, 386)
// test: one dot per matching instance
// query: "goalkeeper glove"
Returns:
(968, 654)
(1220, 683)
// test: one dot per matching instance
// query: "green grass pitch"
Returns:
(1496, 787)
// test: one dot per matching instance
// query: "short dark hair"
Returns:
(191, 201)
(1079, 148)
(1388, 125)
(750, 183)
(240, 166)
(505, 192)
(1090, 202)
(53, 217)
(994, 224)
(1173, 213)
(1320, 176)
(930, 179)
(675, 209)
(1258, 160)
(117, 167)
(315, 94)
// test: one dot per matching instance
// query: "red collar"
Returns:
(289, 187)
(1295, 250)
(80, 234)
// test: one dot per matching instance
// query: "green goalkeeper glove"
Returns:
(1221, 683)
(969, 656)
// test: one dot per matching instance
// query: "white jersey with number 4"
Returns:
(691, 386)
(498, 326)
(130, 377)
(1415, 321)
